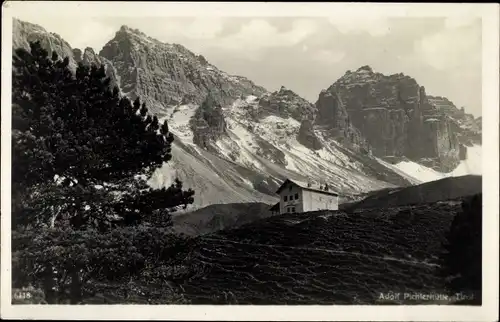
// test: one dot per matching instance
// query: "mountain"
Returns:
(169, 74)
(235, 141)
(25, 32)
(398, 119)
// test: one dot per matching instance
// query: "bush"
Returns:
(462, 260)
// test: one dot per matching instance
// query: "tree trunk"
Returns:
(48, 285)
(76, 288)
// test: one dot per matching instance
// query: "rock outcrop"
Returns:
(286, 103)
(307, 137)
(169, 74)
(270, 152)
(467, 128)
(24, 32)
(396, 117)
(89, 57)
(77, 55)
(333, 117)
(208, 124)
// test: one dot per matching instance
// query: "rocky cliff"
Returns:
(397, 118)
(307, 137)
(169, 74)
(236, 141)
(466, 126)
(208, 123)
(24, 32)
(286, 103)
(333, 118)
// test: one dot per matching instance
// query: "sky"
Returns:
(308, 54)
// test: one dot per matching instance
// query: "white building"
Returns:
(296, 196)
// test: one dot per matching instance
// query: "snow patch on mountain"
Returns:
(419, 172)
(247, 138)
(178, 118)
(251, 98)
(470, 166)
(406, 174)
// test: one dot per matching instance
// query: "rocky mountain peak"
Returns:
(89, 56)
(397, 117)
(25, 32)
(128, 31)
(125, 28)
(286, 103)
(286, 93)
(169, 74)
(364, 68)
(77, 54)
(283, 89)
(89, 51)
(131, 39)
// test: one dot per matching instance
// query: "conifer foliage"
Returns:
(81, 154)
(462, 261)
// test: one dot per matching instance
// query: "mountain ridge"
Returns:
(235, 140)
(399, 119)
(169, 74)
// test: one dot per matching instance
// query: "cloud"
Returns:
(328, 57)
(92, 34)
(260, 33)
(462, 20)
(455, 46)
(199, 28)
(375, 26)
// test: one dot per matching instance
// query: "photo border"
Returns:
(490, 102)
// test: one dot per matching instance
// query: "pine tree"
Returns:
(462, 260)
(81, 155)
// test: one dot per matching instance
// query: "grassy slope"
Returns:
(444, 189)
(327, 257)
(324, 257)
(218, 217)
